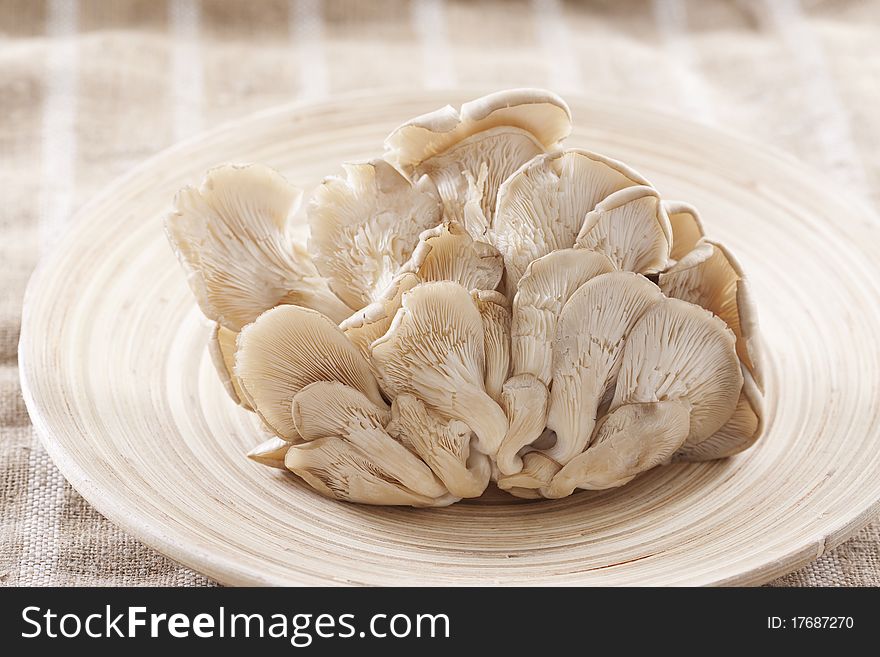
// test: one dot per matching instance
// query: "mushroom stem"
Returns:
(337, 468)
(444, 446)
(630, 440)
(524, 399)
(329, 408)
(537, 472)
(495, 313)
(480, 412)
(271, 452)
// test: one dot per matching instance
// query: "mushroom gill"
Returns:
(681, 352)
(631, 228)
(631, 439)
(737, 434)
(364, 227)
(711, 277)
(495, 313)
(542, 206)
(543, 290)
(330, 408)
(469, 153)
(370, 323)
(445, 445)
(447, 253)
(286, 349)
(587, 353)
(435, 350)
(232, 236)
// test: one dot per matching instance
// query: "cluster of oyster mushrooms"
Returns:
(478, 305)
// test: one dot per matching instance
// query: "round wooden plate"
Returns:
(119, 385)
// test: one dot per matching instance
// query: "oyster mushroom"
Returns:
(524, 400)
(330, 408)
(495, 313)
(543, 290)
(369, 324)
(739, 433)
(687, 227)
(445, 445)
(435, 350)
(468, 153)
(365, 226)
(448, 253)
(547, 284)
(587, 353)
(221, 347)
(679, 380)
(232, 236)
(339, 469)
(536, 474)
(630, 227)
(681, 352)
(286, 349)
(542, 206)
(631, 439)
(710, 276)
(271, 452)
(479, 306)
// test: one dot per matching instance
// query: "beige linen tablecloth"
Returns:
(90, 88)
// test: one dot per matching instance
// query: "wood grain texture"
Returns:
(120, 387)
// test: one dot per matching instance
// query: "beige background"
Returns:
(89, 88)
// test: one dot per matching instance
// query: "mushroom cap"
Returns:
(271, 452)
(681, 352)
(541, 113)
(286, 349)
(687, 227)
(365, 226)
(524, 399)
(340, 469)
(711, 277)
(495, 312)
(448, 253)
(435, 350)
(370, 323)
(630, 227)
(445, 445)
(469, 174)
(631, 439)
(738, 434)
(330, 408)
(542, 206)
(588, 351)
(232, 236)
(221, 347)
(546, 285)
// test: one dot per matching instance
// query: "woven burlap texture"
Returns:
(90, 88)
